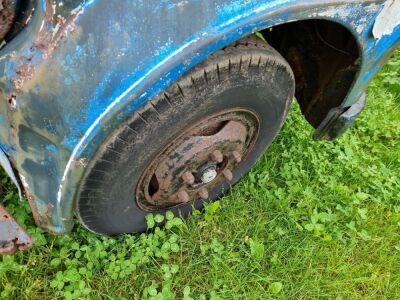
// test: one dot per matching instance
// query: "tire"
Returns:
(248, 74)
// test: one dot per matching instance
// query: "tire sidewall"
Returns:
(267, 94)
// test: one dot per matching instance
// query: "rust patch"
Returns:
(32, 203)
(37, 216)
(49, 209)
(52, 30)
(7, 16)
(12, 237)
(25, 72)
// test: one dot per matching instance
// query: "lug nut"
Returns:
(183, 196)
(237, 156)
(188, 177)
(217, 156)
(227, 174)
(203, 193)
(165, 181)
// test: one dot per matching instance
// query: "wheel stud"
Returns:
(227, 174)
(217, 156)
(183, 196)
(203, 193)
(188, 178)
(237, 156)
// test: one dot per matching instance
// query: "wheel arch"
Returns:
(181, 60)
(97, 120)
(325, 58)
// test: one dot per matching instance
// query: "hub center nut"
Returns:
(208, 174)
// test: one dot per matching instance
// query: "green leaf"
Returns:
(174, 269)
(55, 262)
(169, 215)
(159, 218)
(213, 207)
(257, 250)
(364, 235)
(309, 227)
(53, 283)
(150, 221)
(363, 213)
(152, 289)
(175, 247)
(275, 288)
(186, 291)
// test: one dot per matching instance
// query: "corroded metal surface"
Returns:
(53, 29)
(81, 67)
(12, 237)
(8, 9)
(198, 160)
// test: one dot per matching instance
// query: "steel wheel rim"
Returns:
(198, 160)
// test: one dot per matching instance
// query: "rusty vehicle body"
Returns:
(74, 70)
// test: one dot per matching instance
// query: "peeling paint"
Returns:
(52, 30)
(388, 19)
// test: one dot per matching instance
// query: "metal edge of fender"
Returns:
(338, 120)
(12, 237)
(5, 163)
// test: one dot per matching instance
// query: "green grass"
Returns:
(311, 220)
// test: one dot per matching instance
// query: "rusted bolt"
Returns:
(188, 177)
(237, 156)
(217, 156)
(165, 183)
(227, 174)
(203, 193)
(183, 196)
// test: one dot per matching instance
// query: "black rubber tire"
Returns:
(248, 74)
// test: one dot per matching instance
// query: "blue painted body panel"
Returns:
(81, 68)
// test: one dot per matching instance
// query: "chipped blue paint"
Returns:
(52, 148)
(115, 56)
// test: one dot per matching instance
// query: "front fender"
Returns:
(75, 78)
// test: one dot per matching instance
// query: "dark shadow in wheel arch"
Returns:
(325, 59)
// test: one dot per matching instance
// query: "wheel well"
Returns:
(325, 59)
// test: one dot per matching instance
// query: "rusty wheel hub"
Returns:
(198, 160)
